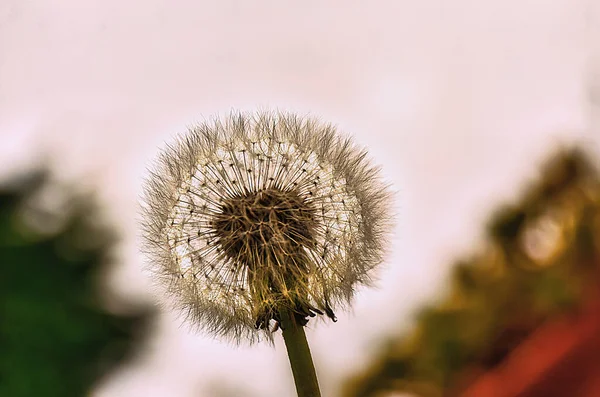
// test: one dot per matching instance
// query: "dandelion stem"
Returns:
(301, 361)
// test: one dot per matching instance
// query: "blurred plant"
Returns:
(56, 338)
(261, 221)
(538, 260)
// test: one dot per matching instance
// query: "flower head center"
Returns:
(265, 227)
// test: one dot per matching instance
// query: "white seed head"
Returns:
(257, 213)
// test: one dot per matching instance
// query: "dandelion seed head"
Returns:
(257, 213)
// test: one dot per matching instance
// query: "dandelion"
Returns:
(261, 221)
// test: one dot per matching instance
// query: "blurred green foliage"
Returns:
(537, 261)
(56, 338)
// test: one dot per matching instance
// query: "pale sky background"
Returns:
(458, 100)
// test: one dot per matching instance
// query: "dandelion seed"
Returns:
(274, 211)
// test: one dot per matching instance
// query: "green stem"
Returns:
(303, 368)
